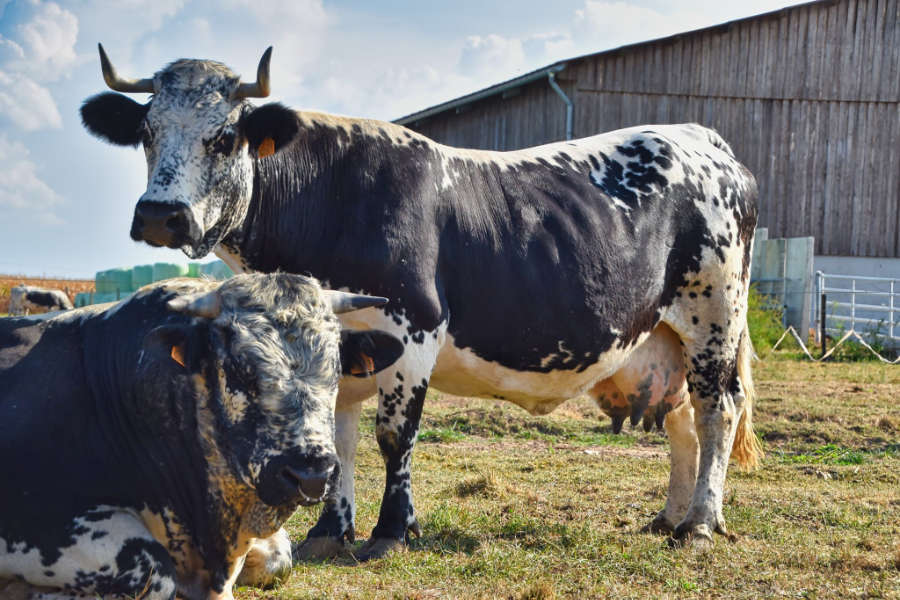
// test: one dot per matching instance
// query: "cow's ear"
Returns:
(364, 353)
(269, 128)
(114, 118)
(169, 344)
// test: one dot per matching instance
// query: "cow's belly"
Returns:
(461, 372)
(650, 384)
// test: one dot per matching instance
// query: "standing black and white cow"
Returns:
(616, 265)
(27, 299)
(146, 446)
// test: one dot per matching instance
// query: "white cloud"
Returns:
(610, 24)
(153, 12)
(39, 50)
(284, 16)
(26, 104)
(48, 41)
(21, 190)
(388, 93)
(545, 48)
(600, 24)
(297, 30)
(491, 54)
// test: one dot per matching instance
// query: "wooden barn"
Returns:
(808, 97)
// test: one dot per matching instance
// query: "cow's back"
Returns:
(587, 244)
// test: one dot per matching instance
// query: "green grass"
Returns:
(763, 321)
(444, 435)
(521, 507)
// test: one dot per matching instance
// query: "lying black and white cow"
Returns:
(616, 265)
(29, 299)
(146, 446)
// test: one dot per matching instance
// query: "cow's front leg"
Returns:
(336, 522)
(401, 395)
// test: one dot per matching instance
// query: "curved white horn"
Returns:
(208, 305)
(119, 84)
(342, 302)
(260, 88)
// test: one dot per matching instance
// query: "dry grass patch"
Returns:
(514, 506)
(71, 286)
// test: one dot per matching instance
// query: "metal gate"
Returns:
(868, 305)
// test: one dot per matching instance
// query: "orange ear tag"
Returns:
(368, 366)
(266, 148)
(178, 354)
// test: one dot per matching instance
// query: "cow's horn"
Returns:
(342, 302)
(117, 83)
(208, 306)
(259, 89)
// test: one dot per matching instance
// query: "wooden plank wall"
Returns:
(809, 98)
(534, 115)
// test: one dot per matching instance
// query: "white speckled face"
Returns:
(196, 155)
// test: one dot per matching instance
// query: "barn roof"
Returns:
(507, 86)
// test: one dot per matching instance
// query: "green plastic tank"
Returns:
(112, 280)
(141, 275)
(168, 271)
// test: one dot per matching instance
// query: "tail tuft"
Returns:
(746, 450)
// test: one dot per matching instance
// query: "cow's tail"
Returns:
(746, 449)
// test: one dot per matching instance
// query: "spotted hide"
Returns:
(615, 265)
(156, 446)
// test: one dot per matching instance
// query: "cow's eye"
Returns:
(223, 144)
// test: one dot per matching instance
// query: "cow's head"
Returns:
(201, 137)
(262, 355)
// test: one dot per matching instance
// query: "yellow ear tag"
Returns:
(178, 354)
(367, 367)
(266, 148)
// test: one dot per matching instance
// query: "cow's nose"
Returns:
(161, 223)
(312, 484)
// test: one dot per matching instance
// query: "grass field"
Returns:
(514, 506)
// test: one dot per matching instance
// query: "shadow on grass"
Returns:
(450, 540)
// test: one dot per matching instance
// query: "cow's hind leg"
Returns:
(685, 452)
(714, 347)
(336, 522)
(114, 557)
(652, 386)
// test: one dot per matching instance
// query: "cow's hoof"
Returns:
(317, 548)
(698, 537)
(660, 525)
(379, 547)
(267, 562)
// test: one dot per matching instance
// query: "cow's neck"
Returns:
(149, 436)
(316, 203)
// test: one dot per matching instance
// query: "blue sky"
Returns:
(66, 199)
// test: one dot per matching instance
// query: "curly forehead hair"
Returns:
(192, 70)
(285, 297)
(295, 307)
